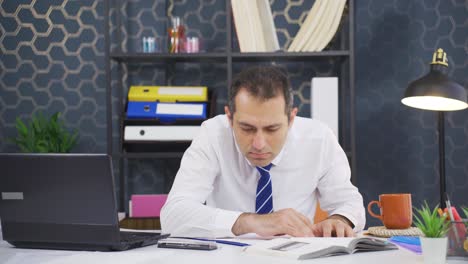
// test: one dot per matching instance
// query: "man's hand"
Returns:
(335, 225)
(283, 222)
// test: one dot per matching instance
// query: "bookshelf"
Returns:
(342, 57)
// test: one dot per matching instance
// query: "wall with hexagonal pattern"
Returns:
(52, 59)
(397, 145)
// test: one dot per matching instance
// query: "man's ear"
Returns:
(292, 115)
(228, 114)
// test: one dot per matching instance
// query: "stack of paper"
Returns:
(408, 242)
(319, 27)
(254, 26)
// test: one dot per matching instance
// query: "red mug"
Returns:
(395, 210)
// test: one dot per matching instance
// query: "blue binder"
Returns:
(166, 111)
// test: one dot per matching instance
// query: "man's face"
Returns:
(260, 127)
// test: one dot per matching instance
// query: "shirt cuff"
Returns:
(224, 221)
(352, 219)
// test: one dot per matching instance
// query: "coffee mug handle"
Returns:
(369, 209)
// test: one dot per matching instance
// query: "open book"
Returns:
(308, 248)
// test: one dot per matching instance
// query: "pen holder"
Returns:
(458, 239)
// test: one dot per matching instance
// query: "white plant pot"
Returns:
(434, 250)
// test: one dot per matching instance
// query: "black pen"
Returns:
(219, 241)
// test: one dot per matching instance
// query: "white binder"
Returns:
(324, 101)
(160, 133)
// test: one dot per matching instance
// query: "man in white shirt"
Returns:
(260, 169)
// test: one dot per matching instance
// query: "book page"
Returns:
(320, 242)
(301, 248)
(370, 244)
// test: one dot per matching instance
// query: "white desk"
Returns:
(226, 254)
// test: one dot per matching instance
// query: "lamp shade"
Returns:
(435, 91)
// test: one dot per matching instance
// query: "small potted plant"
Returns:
(43, 135)
(435, 228)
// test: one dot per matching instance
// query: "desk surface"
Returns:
(226, 254)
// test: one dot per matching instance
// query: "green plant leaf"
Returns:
(44, 135)
(429, 221)
(465, 211)
(21, 127)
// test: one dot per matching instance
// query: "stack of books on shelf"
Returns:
(164, 113)
(254, 26)
(319, 27)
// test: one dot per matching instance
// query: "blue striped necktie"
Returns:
(264, 198)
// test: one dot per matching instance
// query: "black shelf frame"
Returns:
(344, 58)
(149, 155)
(168, 57)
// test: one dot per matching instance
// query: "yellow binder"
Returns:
(168, 93)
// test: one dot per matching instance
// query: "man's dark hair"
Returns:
(262, 82)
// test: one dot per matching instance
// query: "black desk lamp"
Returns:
(436, 92)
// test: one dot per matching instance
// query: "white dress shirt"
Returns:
(216, 183)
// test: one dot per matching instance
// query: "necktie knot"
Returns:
(264, 199)
(265, 169)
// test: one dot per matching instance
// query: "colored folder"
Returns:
(160, 133)
(147, 205)
(168, 93)
(166, 111)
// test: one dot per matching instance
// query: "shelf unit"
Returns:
(344, 57)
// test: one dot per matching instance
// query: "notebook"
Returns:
(63, 201)
(311, 247)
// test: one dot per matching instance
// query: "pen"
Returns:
(449, 209)
(219, 241)
(227, 242)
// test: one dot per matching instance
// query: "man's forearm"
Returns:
(243, 224)
(189, 218)
(285, 221)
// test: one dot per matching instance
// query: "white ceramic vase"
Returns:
(434, 250)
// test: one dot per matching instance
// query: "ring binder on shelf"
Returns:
(160, 133)
(168, 93)
(166, 111)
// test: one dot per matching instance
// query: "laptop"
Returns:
(63, 201)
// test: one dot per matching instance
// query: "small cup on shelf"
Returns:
(151, 44)
(192, 45)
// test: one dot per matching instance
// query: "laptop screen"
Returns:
(50, 197)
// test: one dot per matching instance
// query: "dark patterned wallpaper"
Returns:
(397, 145)
(52, 59)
